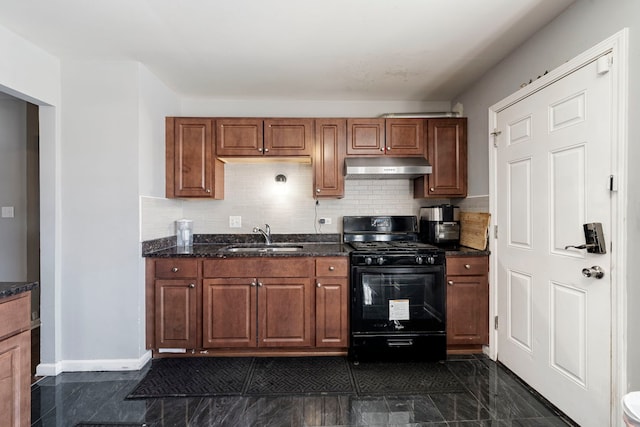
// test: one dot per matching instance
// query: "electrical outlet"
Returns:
(235, 221)
(325, 221)
(7, 212)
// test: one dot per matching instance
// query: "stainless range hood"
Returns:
(385, 167)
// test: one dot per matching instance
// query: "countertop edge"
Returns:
(9, 289)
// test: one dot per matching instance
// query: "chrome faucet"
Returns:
(266, 233)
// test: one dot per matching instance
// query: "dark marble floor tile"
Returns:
(413, 409)
(326, 410)
(273, 411)
(219, 411)
(175, 412)
(460, 407)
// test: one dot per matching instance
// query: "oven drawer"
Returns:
(467, 265)
(332, 267)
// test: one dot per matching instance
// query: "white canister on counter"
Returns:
(184, 233)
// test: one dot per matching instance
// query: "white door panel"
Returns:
(553, 163)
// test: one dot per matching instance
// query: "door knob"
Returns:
(594, 271)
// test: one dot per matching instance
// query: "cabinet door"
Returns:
(190, 165)
(284, 312)
(175, 313)
(332, 323)
(15, 381)
(229, 312)
(365, 137)
(288, 137)
(239, 137)
(447, 153)
(467, 310)
(328, 161)
(405, 137)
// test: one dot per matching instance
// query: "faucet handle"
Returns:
(267, 229)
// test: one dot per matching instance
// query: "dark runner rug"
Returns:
(108, 424)
(375, 378)
(300, 375)
(275, 376)
(198, 376)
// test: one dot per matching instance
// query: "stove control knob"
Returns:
(431, 260)
(419, 260)
(380, 261)
(368, 260)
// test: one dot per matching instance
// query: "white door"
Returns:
(553, 164)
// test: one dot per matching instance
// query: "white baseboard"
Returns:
(53, 369)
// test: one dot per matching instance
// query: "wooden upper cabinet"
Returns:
(191, 167)
(239, 137)
(251, 137)
(405, 137)
(328, 160)
(288, 137)
(365, 137)
(447, 153)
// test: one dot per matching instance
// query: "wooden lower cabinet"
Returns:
(176, 321)
(15, 361)
(248, 305)
(332, 302)
(467, 303)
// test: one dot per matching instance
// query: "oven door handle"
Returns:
(400, 342)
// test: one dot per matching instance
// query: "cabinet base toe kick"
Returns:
(231, 352)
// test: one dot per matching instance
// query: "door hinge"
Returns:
(495, 322)
(613, 183)
(495, 231)
(495, 134)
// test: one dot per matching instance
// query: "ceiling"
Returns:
(414, 50)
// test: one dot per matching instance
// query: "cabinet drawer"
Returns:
(175, 268)
(471, 265)
(15, 315)
(332, 267)
(258, 267)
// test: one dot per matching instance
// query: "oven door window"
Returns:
(401, 300)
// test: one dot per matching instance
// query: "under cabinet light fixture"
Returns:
(281, 179)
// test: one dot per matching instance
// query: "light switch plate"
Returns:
(235, 221)
(7, 212)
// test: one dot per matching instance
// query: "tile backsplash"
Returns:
(251, 193)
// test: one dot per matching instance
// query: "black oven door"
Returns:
(398, 299)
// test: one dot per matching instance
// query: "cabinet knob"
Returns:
(317, 190)
(192, 285)
(260, 284)
(260, 150)
(382, 149)
(450, 282)
(252, 284)
(318, 285)
(331, 268)
(467, 266)
(208, 190)
(175, 269)
(388, 148)
(266, 150)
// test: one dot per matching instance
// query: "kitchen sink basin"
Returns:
(263, 248)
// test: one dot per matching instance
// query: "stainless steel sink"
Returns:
(263, 248)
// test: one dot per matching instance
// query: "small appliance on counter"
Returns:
(184, 233)
(440, 225)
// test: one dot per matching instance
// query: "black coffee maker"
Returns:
(440, 225)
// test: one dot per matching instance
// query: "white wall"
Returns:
(580, 27)
(13, 189)
(30, 73)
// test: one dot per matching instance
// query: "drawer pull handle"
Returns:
(450, 282)
(331, 268)
(175, 269)
(467, 266)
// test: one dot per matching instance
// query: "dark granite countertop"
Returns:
(8, 289)
(213, 246)
(465, 251)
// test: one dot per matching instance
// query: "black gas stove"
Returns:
(397, 290)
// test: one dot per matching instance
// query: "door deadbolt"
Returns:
(595, 272)
(594, 239)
